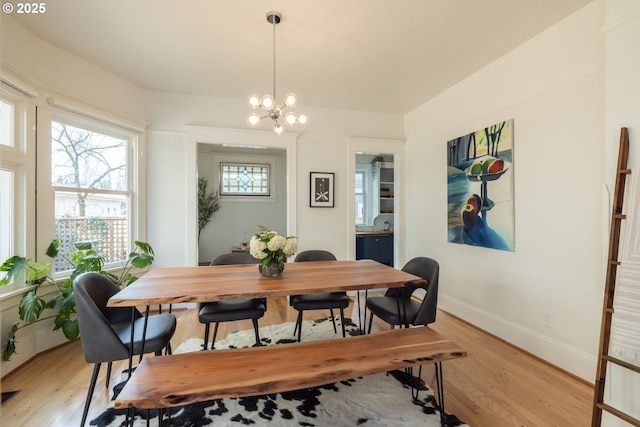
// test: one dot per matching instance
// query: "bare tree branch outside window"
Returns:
(90, 175)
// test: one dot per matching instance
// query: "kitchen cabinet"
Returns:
(385, 188)
(377, 246)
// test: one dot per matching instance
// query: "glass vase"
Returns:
(274, 269)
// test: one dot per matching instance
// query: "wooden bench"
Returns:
(182, 379)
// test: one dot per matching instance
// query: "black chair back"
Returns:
(314, 255)
(428, 269)
(100, 342)
(234, 258)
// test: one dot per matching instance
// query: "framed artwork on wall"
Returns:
(321, 189)
(480, 188)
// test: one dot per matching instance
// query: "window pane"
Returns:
(244, 179)
(360, 198)
(99, 218)
(6, 124)
(359, 209)
(81, 158)
(359, 183)
(6, 213)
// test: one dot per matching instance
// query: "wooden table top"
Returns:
(227, 282)
(181, 379)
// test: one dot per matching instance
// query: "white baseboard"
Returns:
(574, 361)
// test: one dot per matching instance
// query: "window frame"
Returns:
(20, 160)
(367, 189)
(222, 190)
(136, 172)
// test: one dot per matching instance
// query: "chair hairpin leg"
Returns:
(215, 333)
(333, 319)
(205, 345)
(92, 386)
(109, 365)
(299, 322)
(440, 387)
(255, 329)
(342, 322)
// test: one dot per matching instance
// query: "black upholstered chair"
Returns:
(105, 332)
(318, 301)
(228, 311)
(411, 312)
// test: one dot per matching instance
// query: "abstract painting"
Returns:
(480, 188)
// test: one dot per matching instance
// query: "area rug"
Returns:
(375, 400)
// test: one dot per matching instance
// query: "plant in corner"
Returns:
(61, 300)
(208, 203)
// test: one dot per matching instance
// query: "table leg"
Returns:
(144, 331)
(133, 323)
(362, 314)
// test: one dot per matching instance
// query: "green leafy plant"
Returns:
(208, 204)
(374, 164)
(61, 302)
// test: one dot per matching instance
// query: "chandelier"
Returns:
(268, 102)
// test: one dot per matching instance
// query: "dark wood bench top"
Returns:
(182, 379)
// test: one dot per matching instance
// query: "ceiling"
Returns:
(385, 56)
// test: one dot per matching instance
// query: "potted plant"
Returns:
(61, 302)
(208, 203)
(272, 250)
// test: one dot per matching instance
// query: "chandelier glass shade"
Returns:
(270, 109)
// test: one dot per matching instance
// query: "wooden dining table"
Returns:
(227, 282)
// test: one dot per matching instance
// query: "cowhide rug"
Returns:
(374, 400)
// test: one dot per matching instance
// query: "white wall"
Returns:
(553, 87)
(57, 72)
(622, 38)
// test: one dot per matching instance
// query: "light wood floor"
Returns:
(495, 386)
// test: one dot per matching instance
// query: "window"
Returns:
(14, 164)
(6, 123)
(6, 213)
(90, 178)
(360, 198)
(244, 179)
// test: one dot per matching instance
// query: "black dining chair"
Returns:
(105, 332)
(318, 301)
(397, 307)
(228, 311)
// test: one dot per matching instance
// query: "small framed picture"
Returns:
(321, 189)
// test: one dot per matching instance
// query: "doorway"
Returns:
(375, 206)
(240, 211)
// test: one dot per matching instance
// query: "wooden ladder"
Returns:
(607, 311)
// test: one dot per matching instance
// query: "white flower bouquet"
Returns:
(270, 247)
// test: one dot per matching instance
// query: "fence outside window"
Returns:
(107, 234)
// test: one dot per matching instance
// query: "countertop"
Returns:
(374, 233)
